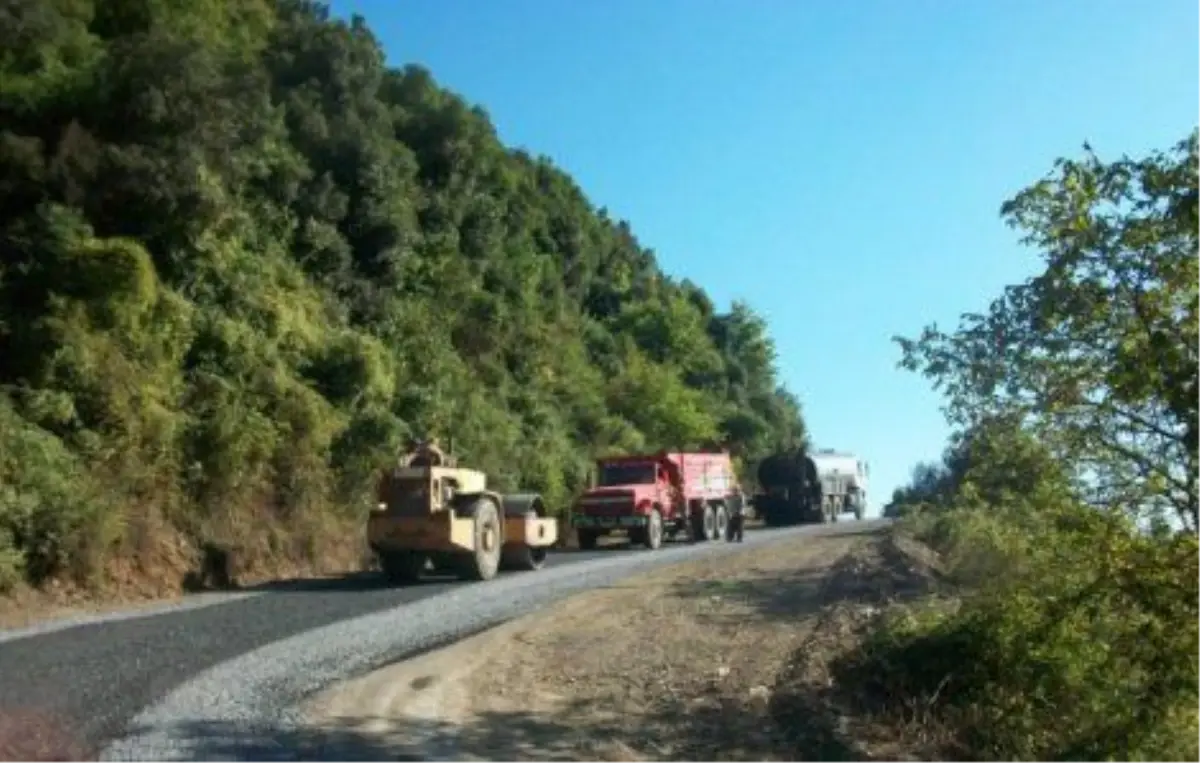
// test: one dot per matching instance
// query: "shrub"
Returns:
(1086, 650)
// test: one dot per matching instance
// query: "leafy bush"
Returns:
(1085, 650)
(52, 519)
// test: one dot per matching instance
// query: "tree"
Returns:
(1097, 354)
(993, 463)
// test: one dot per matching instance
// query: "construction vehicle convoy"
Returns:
(432, 512)
(798, 486)
(659, 496)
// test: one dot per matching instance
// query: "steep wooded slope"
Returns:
(243, 259)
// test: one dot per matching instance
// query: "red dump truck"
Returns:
(657, 496)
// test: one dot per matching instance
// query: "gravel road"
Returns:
(221, 680)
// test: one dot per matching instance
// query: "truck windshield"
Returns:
(627, 474)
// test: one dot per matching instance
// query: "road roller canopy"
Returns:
(416, 489)
(426, 453)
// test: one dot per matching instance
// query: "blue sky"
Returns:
(839, 165)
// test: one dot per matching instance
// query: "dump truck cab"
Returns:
(627, 488)
(430, 511)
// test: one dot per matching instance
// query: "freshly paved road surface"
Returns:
(96, 678)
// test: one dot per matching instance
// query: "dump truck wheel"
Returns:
(484, 562)
(701, 525)
(710, 522)
(768, 516)
(402, 566)
(721, 523)
(587, 539)
(654, 530)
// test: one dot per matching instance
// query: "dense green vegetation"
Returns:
(243, 260)
(1066, 506)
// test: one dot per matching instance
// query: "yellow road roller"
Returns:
(430, 512)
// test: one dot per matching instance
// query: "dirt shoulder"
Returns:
(714, 659)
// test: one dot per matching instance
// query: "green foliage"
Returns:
(244, 260)
(1076, 637)
(52, 514)
(992, 463)
(1077, 641)
(1098, 353)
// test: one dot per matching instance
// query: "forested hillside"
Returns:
(243, 260)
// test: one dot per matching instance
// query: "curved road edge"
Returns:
(257, 695)
(186, 603)
(132, 612)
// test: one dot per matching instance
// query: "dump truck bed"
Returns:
(700, 474)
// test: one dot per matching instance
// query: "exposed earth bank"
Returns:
(713, 659)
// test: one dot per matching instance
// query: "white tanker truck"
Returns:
(818, 486)
(843, 479)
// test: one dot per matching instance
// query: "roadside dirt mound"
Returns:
(816, 716)
(682, 664)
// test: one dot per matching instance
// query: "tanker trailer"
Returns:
(789, 490)
(843, 480)
(798, 487)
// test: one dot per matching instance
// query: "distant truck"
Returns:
(798, 487)
(664, 495)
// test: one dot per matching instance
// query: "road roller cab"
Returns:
(430, 511)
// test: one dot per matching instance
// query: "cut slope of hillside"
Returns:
(244, 260)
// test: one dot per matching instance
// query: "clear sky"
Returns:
(839, 164)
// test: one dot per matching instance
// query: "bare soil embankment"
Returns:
(718, 658)
(163, 567)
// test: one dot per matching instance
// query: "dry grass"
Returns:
(821, 717)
